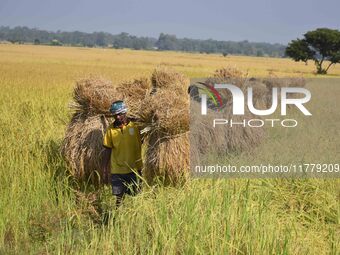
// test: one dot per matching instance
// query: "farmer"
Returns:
(122, 154)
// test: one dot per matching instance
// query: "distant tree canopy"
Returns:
(170, 42)
(320, 45)
(125, 40)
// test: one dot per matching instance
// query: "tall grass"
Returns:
(42, 213)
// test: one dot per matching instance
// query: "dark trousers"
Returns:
(125, 184)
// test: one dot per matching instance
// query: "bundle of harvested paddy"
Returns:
(297, 82)
(240, 137)
(260, 93)
(167, 78)
(82, 147)
(133, 93)
(202, 136)
(167, 158)
(166, 110)
(93, 96)
(232, 75)
(228, 75)
(222, 139)
(275, 82)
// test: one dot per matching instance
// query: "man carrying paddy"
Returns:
(122, 154)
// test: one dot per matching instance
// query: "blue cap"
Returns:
(118, 107)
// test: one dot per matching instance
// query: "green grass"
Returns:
(41, 213)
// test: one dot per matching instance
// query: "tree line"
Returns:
(125, 40)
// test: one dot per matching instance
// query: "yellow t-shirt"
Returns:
(126, 148)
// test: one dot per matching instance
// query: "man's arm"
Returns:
(106, 164)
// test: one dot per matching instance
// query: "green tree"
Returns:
(320, 45)
(167, 42)
(36, 41)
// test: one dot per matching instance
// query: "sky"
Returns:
(275, 21)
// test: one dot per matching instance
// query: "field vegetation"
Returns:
(45, 211)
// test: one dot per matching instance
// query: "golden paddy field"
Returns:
(41, 211)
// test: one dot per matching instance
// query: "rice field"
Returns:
(42, 211)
